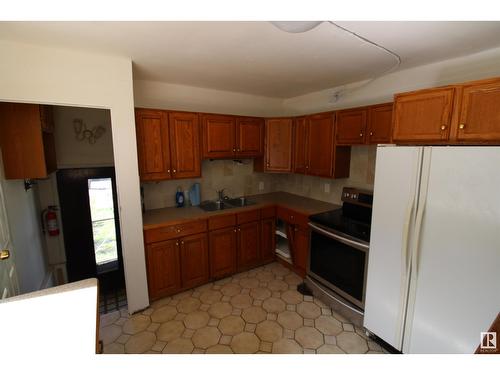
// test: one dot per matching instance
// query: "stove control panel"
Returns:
(357, 196)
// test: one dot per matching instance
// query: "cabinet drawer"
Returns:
(173, 231)
(292, 217)
(222, 221)
(268, 212)
(248, 216)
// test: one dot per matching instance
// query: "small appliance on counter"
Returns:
(194, 194)
(179, 197)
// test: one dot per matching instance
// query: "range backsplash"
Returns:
(240, 179)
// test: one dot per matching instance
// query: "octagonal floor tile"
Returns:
(274, 305)
(179, 346)
(170, 330)
(140, 342)
(286, 346)
(308, 310)
(136, 324)
(328, 325)
(241, 301)
(277, 285)
(264, 276)
(220, 310)
(249, 282)
(245, 343)
(292, 297)
(230, 289)
(269, 331)
(206, 337)
(293, 279)
(219, 349)
(196, 319)
(231, 325)
(163, 314)
(210, 296)
(110, 318)
(188, 304)
(290, 320)
(260, 293)
(109, 334)
(254, 314)
(329, 349)
(351, 342)
(309, 338)
(114, 348)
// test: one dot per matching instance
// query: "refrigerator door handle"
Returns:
(406, 234)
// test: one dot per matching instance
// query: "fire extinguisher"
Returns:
(49, 221)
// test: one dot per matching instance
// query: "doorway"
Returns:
(89, 214)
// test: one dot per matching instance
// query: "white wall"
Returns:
(72, 153)
(481, 65)
(37, 74)
(162, 95)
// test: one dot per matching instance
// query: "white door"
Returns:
(8, 277)
(455, 268)
(394, 206)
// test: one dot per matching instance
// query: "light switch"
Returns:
(327, 187)
(261, 185)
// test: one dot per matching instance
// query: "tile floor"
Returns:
(258, 311)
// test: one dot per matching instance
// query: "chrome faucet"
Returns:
(220, 193)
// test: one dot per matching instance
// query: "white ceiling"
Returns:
(256, 57)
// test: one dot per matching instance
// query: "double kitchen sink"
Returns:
(222, 204)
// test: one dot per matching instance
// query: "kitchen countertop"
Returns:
(173, 215)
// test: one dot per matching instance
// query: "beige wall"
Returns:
(56, 76)
(72, 153)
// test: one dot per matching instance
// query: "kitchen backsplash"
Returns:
(239, 179)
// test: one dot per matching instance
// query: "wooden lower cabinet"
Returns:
(248, 245)
(301, 248)
(194, 260)
(267, 239)
(163, 262)
(223, 249)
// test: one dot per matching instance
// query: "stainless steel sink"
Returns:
(227, 203)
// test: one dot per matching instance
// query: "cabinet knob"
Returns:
(177, 243)
(461, 126)
(182, 242)
(371, 133)
(234, 150)
(291, 217)
(443, 127)
(174, 171)
(235, 231)
(268, 164)
(238, 150)
(239, 229)
(360, 134)
(307, 167)
(178, 230)
(168, 170)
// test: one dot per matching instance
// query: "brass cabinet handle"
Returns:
(443, 127)
(461, 126)
(4, 254)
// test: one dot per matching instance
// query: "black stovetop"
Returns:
(352, 220)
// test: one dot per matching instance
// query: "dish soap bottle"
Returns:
(179, 197)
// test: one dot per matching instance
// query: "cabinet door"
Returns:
(248, 245)
(423, 116)
(300, 146)
(301, 248)
(351, 127)
(163, 265)
(268, 238)
(47, 118)
(379, 124)
(480, 113)
(223, 251)
(279, 137)
(249, 137)
(320, 144)
(218, 133)
(152, 144)
(194, 260)
(185, 144)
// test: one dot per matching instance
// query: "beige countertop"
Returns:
(173, 215)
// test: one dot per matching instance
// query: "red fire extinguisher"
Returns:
(49, 220)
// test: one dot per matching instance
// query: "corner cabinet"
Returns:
(278, 146)
(168, 144)
(27, 140)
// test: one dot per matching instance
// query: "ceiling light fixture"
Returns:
(303, 26)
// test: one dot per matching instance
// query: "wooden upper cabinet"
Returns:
(479, 115)
(423, 116)
(28, 151)
(163, 264)
(218, 132)
(279, 138)
(351, 126)
(184, 144)
(153, 146)
(47, 118)
(321, 144)
(379, 124)
(249, 136)
(194, 260)
(300, 154)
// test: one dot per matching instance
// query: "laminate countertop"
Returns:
(173, 215)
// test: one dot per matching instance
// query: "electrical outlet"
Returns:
(261, 185)
(327, 187)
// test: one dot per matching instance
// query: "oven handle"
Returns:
(355, 244)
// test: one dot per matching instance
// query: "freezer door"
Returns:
(394, 206)
(455, 292)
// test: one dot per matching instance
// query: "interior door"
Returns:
(9, 285)
(455, 277)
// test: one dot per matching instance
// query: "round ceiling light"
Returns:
(296, 26)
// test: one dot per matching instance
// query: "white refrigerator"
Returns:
(433, 282)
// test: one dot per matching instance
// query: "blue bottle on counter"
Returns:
(179, 197)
